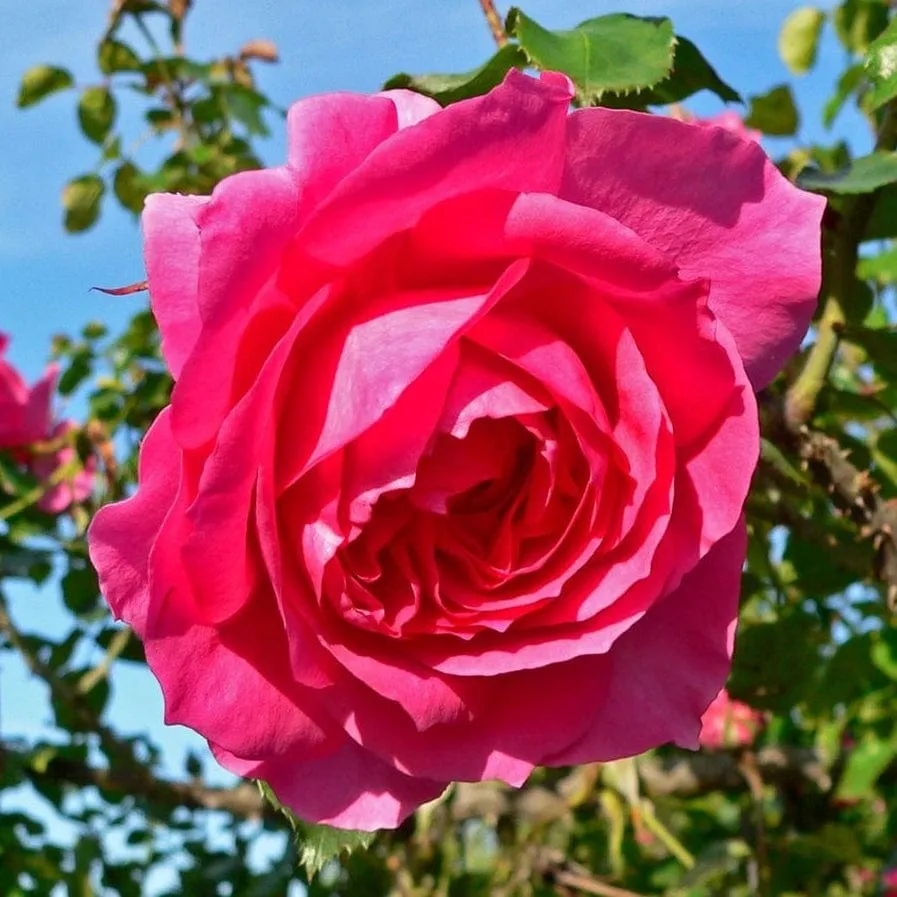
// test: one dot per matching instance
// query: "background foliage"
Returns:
(808, 809)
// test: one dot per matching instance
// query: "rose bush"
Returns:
(451, 481)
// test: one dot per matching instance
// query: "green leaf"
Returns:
(881, 68)
(130, 187)
(859, 22)
(81, 198)
(40, 81)
(799, 38)
(14, 479)
(317, 844)
(865, 763)
(881, 268)
(96, 113)
(884, 652)
(114, 56)
(446, 89)
(880, 346)
(691, 73)
(774, 113)
(616, 53)
(245, 106)
(775, 663)
(862, 175)
(80, 590)
(849, 82)
(883, 220)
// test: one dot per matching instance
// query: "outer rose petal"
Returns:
(520, 122)
(232, 683)
(720, 208)
(244, 228)
(350, 788)
(172, 240)
(691, 633)
(121, 535)
(412, 107)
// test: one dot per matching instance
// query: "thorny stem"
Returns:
(495, 23)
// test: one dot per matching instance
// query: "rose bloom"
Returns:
(728, 723)
(451, 481)
(72, 488)
(25, 413)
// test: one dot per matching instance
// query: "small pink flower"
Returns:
(72, 488)
(25, 413)
(728, 723)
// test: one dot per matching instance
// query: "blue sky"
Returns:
(341, 44)
(45, 274)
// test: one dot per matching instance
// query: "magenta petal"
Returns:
(350, 788)
(121, 535)
(244, 228)
(172, 241)
(719, 208)
(521, 123)
(667, 668)
(357, 375)
(411, 106)
(232, 683)
(330, 135)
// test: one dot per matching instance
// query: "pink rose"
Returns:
(72, 488)
(728, 723)
(452, 477)
(25, 413)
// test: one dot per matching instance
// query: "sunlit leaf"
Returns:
(40, 81)
(616, 53)
(81, 199)
(799, 38)
(862, 175)
(446, 89)
(881, 67)
(96, 113)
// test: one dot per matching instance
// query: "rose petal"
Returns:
(720, 208)
(667, 668)
(244, 229)
(232, 683)
(521, 122)
(350, 788)
(172, 251)
(121, 535)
